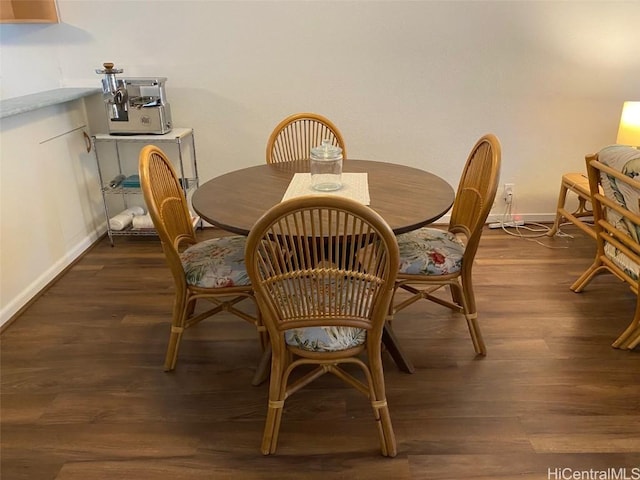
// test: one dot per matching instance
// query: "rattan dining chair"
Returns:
(432, 258)
(295, 136)
(323, 304)
(211, 270)
(615, 195)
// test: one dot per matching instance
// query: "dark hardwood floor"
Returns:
(84, 395)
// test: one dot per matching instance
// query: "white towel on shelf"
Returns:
(142, 222)
(124, 218)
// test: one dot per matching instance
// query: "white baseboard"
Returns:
(40, 283)
(527, 217)
(499, 217)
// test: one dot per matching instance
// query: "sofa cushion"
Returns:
(627, 161)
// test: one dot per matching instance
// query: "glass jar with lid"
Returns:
(326, 167)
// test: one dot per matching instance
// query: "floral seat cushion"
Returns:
(216, 263)
(322, 295)
(430, 251)
(325, 339)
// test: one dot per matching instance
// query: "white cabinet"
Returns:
(117, 156)
(50, 205)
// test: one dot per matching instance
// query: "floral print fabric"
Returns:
(325, 339)
(429, 251)
(328, 298)
(216, 263)
(625, 264)
(626, 160)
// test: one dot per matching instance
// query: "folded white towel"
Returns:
(124, 218)
(142, 221)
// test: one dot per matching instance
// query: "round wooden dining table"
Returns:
(406, 197)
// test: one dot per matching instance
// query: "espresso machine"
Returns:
(136, 105)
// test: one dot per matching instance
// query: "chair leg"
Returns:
(588, 275)
(191, 307)
(264, 365)
(180, 309)
(465, 292)
(264, 337)
(171, 357)
(379, 403)
(476, 335)
(634, 340)
(455, 296)
(272, 427)
(263, 334)
(262, 370)
(631, 336)
(582, 210)
(277, 388)
(387, 428)
(392, 310)
(562, 199)
(267, 447)
(627, 338)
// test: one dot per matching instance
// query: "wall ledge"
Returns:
(35, 101)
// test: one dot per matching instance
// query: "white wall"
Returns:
(408, 82)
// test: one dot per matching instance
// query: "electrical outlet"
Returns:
(508, 193)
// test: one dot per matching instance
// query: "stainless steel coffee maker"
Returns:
(134, 106)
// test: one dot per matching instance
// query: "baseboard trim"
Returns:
(526, 217)
(499, 217)
(39, 286)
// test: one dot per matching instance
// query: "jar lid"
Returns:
(326, 151)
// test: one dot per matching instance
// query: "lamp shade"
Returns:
(629, 130)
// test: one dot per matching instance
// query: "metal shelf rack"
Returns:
(126, 163)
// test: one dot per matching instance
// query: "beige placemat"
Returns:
(354, 186)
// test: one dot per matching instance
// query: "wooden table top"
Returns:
(406, 197)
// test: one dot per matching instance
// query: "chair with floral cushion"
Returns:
(295, 136)
(615, 193)
(211, 270)
(322, 301)
(432, 258)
